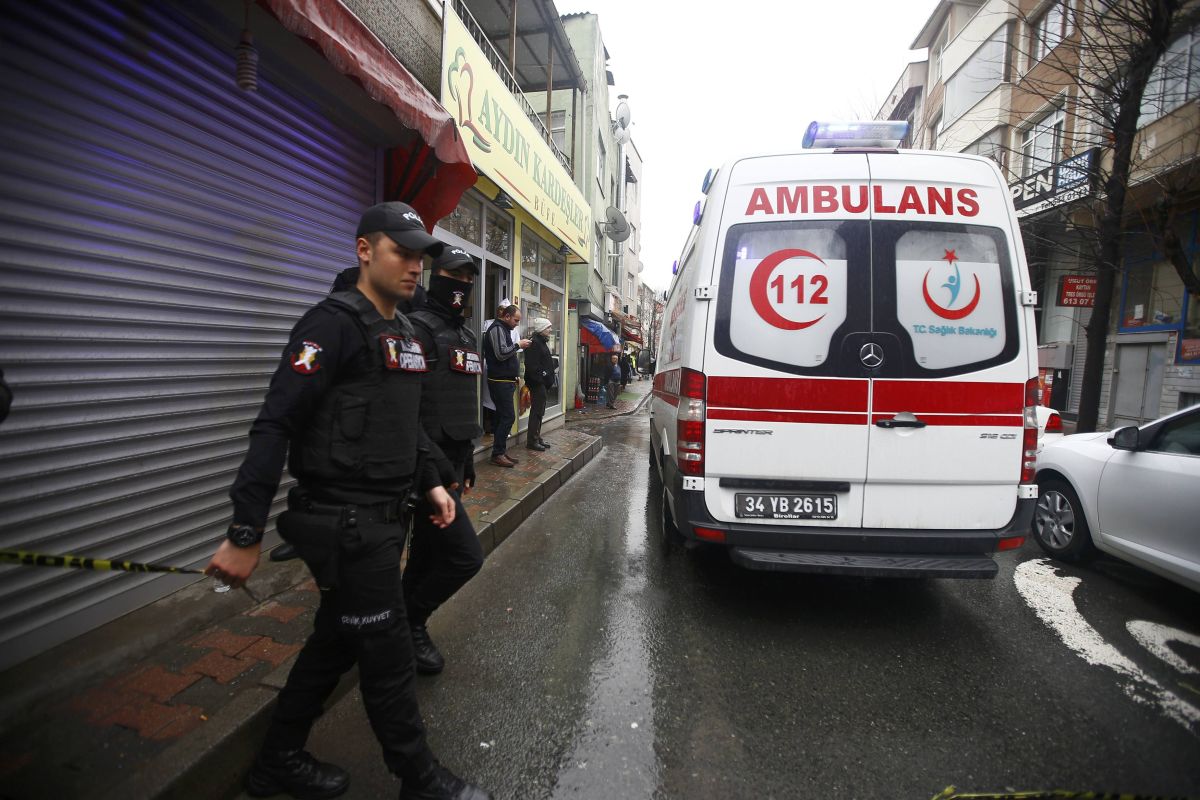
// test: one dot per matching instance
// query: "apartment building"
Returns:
(1019, 81)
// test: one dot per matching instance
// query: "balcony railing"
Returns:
(501, 69)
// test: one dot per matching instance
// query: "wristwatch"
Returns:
(243, 535)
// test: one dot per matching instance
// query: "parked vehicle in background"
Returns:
(1050, 426)
(1133, 493)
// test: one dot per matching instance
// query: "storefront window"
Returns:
(499, 235)
(553, 269)
(1153, 296)
(541, 291)
(465, 220)
(529, 255)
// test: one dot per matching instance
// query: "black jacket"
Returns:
(539, 363)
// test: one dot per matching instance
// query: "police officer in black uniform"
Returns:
(440, 562)
(343, 408)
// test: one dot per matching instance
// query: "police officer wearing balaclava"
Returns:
(440, 562)
(342, 407)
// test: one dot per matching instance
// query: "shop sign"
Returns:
(1189, 350)
(1064, 182)
(1077, 290)
(504, 144)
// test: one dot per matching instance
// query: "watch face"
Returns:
(242, 535)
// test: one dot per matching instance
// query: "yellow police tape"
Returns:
(28, 559)
(950, 793)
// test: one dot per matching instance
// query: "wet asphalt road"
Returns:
(587, 660)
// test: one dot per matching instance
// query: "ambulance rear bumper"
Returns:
(896, 566)
(859, 551)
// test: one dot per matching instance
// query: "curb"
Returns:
(638, 407)
(211, 761)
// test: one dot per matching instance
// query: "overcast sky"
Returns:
(707, 82)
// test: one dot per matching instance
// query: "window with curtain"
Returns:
(1041, 145)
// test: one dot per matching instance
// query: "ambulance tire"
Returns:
(1059, 525)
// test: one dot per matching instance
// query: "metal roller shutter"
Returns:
(160, 232)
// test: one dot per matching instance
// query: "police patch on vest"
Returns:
(467, 361)
(402, 354)
(307, 361)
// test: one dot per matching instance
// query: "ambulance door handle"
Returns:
(908, 421)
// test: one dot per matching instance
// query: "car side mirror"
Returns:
(1125, 439)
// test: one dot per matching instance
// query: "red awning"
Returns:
(431, 171)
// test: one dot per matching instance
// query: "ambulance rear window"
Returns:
(784, 291)
(949, 297)
(806, 297)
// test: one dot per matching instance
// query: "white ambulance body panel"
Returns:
(865, 354)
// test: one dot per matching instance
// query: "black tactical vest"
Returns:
(363, 433)
(450, 397)
(496, 368)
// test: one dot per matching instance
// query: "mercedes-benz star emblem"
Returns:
(871, 355)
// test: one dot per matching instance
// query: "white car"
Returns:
(1050, 426)
(1133, 493)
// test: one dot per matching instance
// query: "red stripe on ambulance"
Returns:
(789, 394)
(930, 201)
(811, 417)
(948, 397)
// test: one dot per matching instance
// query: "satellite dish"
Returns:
(640, 266)
(623, 114)
(621, 135)
(615, 226)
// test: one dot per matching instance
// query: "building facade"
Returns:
(182, 180)
(1022, 83)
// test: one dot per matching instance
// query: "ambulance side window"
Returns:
(787, 290)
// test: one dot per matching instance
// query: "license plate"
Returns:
(786, 506)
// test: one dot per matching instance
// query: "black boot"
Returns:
(543, 443)
(285, 552)
(442, 784)
(296, 773)
(429, 660)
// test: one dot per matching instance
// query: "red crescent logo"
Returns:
(758, 289)
(946, 313)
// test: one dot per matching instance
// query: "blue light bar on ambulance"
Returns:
(870, 133)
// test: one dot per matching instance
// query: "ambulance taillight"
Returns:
(689, 423)
(1029, 440)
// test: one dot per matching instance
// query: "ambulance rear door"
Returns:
(787, 419)
(945, 347)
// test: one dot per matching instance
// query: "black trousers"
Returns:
(361, 620)
(537, 410)
(502, 392)
(441, 560)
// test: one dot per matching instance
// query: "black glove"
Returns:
(469, 474)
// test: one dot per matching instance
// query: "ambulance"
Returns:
(847, 370)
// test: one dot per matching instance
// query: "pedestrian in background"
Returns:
(614, 380)
(626, 370)
(343, 407)
(539, 377)
(440, 562)
(503, 367)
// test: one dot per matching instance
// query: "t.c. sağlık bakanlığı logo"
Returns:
(954, 285)
(458, 73)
